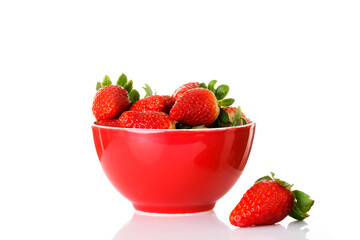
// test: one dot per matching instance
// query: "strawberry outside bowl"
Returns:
(173, 170)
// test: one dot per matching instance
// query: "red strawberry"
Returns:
(195, 107)
(153, 120)
(231, 113)
(183, 88)
(110, 101)
(109, 122)
(152, 103)
(169, 102)
(269, 201)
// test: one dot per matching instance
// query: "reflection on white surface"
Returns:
(295, 231)
(298, 230)
(204, 226)
(189, 226)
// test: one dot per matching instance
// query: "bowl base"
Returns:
(173, 209)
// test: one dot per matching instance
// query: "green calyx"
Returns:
(148, 91)
(106, 81)
(224, 117)
(98, 86)
(202, 85)
(134, 96)
(302, 201)
(272, 177)
(226, 102)
(302, 205)
(128, 86)
(211, 85)
(220, 93)
(237, 118)
(224, 121)
(123, 82)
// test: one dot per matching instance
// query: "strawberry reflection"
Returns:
(295, 231)
(183, 226)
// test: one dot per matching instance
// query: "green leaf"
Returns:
(202, 85)
(263, 178)
(122, 80)
(106, 81)
(281, 182)
(148, 90)
(211, 85)
(223, 116)
(223, 119)
(305, 202)
(297, 213)
(98, 86)
(129, 86)
(134, 96)
(302, 205)
(237, 117)
(226, 102)
(221, 91)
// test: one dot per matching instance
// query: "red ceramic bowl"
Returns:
(173, 171)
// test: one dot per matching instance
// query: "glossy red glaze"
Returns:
(173, 171)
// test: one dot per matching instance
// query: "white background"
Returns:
(293, 66)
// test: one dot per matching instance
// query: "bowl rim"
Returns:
(144, 130)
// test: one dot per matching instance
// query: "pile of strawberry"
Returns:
(197, 105)
(192, 105)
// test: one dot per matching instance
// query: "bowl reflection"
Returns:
(203, 225)
(198, 226)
